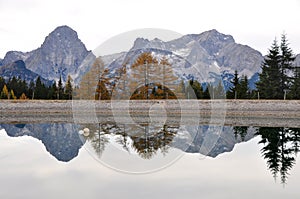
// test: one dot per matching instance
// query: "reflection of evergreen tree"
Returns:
(241, 131)
(280, 148)
(295, 139)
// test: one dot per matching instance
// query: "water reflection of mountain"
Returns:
(222, 141)
(280, 145)
(61, 140)
(145, 140)
(148, 140)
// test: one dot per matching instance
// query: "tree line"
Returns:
(280, 78)
(151, 78)
(16, 88)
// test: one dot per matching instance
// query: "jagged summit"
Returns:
(212, 35)
(60, 54)
(213, 40)
(206, 55)
(64, 35)
(140, 43)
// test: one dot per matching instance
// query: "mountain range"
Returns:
(207, 57)
(63, 141)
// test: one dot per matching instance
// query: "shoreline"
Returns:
(189, 112)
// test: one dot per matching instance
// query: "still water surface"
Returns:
(125, 161)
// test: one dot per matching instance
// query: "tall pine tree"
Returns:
(68, 88)
(233, 91)
(295, 88)
(277, 71)
(269, 79)
(286, 64)
(60, 89)
(244, 88)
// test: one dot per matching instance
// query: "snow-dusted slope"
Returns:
(207, 57)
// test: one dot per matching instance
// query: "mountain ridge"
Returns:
(18, 69)
(195, 56)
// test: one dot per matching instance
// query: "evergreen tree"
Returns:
(206, 94)
(241, 131)
(233, 91)
(60, 89)
(12, 84)
(23, 88)
(2, 83)
(295, 88)
(275, 79)
(286, 64)
(40, 90)
(197, 89)
(68, 88)
(244, 88)
(269, 83)
(53, 91)
(189, 90)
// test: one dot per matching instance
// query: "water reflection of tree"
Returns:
(281, 146)
(97, 137)
(146, 140)
(153, 140)
(240, 131)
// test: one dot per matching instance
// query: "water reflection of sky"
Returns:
(28, 170)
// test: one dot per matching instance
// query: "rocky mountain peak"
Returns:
(216, 36)
(60, 54)
(140, 43)
(213, 41)
(12, 56)
(62, 36)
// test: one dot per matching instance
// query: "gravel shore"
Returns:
(227, 112)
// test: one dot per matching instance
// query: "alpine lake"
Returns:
(151, 150)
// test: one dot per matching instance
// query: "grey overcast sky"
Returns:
(25, 23)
